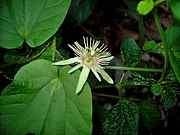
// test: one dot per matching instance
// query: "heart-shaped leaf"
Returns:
(42, 100)
(34, 21)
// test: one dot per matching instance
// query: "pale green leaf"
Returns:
(145, 6)
(41, 101)
(152, 46)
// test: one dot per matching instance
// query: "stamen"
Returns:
(96, 45)
(90, 43)
(84, 42)
(87, 42)
(103, 48)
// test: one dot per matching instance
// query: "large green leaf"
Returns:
(34, 21)
(122, 119)
(173, 40)
(175, 4)
(42, 100)
(149, 114)
(130, 52)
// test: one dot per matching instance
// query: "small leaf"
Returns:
(152, 46)
(33, 21)
(130, 52)
(122, 119)
(157, 89)
(149, 114)
(145, 6)
(169, 98)
(41, 101)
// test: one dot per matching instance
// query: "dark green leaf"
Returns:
(171, 75)
(157, 89)
(34, 21)
(130, 52)
(122, 119)
(173, 38)
(169, 98)
(81, 9)
(145, 6)
(41, 101)
(131, 11)
(149, 114)
(14, 55)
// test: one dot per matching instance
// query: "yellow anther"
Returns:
(93, 53)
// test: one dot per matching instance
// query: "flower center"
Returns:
(88, 60)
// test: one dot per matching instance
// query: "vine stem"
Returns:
(118, 97)
(164, 44)
(25, 60)
(134, 69)
(159, 1)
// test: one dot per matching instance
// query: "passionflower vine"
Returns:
(91, 57)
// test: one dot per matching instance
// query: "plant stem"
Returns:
(134, 69)
(159, 1)
(164, 44)
(25, 60)
(106, 95)
(118, 97)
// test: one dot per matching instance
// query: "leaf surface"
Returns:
(173, 40)
(122, 119)
(33, 21)
(130, 52)
(42, 100)
(149, 114)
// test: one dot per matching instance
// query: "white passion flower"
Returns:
(92, 57)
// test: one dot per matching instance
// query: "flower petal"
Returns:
(82, 79)
(105, 75)
(67, 62)
(75, 68)
(96, 74)
(106, 58)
